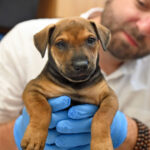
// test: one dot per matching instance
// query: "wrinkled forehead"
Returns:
(73, 29)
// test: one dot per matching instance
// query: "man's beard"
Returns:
(118, 47)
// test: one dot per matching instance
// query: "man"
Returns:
(129, 22)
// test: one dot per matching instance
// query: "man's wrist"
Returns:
(7, 141)
(143, 139)
(131, 138)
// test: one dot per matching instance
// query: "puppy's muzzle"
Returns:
(79, 70)
(80, 65)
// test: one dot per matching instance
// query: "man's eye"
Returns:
(142, 3)
(61, 44)
(91, 40)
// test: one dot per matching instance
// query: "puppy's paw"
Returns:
(34, 139)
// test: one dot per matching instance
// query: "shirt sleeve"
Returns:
(12, 76)
(19, 63)
(90, 12)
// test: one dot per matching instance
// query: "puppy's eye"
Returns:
(61, 44)
(91, 40)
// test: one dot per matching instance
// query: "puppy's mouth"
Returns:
(78, 76)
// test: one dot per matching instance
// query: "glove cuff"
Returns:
(119, 129)
(16, 132)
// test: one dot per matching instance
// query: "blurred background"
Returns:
(15, 11)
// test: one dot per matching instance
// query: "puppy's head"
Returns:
(74, 45)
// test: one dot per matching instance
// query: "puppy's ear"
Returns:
(102, 33)
(42, 38)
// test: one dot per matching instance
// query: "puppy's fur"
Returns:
(72, 69)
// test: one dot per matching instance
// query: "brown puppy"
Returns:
(72, 69)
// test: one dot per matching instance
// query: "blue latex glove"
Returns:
(75, 132)
(58, 113)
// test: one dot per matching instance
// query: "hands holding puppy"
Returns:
(71, 129)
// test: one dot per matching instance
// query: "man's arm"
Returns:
(13, 77)
(130, 141)
(7, 141)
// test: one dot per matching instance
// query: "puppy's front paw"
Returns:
(34, 139)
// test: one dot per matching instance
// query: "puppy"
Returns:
(72, 69)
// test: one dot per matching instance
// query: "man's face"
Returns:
(129, 22)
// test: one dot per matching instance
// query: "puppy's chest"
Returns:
(91, 94)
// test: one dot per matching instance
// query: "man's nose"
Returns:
(144, 26)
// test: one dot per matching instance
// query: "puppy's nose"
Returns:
(80, 65)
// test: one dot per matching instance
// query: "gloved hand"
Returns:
(58, 113)
(75, 131)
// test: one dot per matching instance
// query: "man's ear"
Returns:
(102, 33)
(42, 38)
